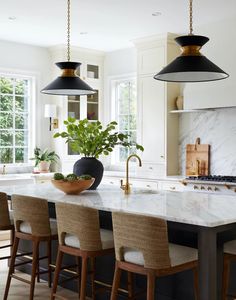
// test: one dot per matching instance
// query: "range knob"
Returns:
(216, 189)
(195, 187)
(202, 187)
(209, 188)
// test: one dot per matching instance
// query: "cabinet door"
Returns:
(151, 61)
(153, 119)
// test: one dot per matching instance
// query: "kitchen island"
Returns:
(203, 220)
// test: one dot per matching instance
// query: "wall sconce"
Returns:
(50, 111)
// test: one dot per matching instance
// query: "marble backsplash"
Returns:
(217, 128)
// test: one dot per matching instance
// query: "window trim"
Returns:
(115, 164)
(33, 77)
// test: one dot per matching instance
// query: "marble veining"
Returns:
(184, 207)
(217, 128)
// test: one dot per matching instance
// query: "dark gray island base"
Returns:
(175, 287)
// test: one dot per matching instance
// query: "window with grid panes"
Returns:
(126, 114)
(14, 118)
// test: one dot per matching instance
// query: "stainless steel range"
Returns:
(211, 184)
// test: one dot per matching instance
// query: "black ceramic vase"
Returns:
(90, 166)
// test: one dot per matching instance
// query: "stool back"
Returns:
(83, 222)
(33, 211)
(5, 221)
(145, 234)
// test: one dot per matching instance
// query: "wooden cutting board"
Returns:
(197, 159)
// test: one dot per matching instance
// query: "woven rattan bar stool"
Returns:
(32, 223)
(80, 235)
(229, 257)
(6, 222)
(142, 247)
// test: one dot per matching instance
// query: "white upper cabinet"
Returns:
(159, 128)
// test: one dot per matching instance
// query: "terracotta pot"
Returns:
(44, 166)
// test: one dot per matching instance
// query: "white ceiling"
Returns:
(110, 24)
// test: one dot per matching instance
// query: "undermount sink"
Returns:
(143, 191)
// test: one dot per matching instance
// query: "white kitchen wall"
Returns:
(35, 61)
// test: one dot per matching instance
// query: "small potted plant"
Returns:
(90, 140)
(43, 159)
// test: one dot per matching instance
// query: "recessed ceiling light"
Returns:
(12, 18)
(156, 14)
(83, 32)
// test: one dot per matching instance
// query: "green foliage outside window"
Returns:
(13, 120)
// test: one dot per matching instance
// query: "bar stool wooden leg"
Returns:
(34, 268)
(116, 282)
(79, 273)
(11, 268)
(12, 238)
(92, 262)
(49, 255)
(57, 273)
(226, 273)
(83, 278)
(196, 286)
(130, 285)
(151, 286)
(38, 268)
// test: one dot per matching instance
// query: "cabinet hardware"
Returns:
(148, 185)
(111, 182)
(162, 156)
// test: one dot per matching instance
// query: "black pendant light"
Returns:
(69, 83)
(191, 65)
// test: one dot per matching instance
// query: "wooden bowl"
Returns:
(73, 187)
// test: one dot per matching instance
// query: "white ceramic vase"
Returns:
(44, 166)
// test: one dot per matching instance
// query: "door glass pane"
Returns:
(6, 156)
(21, 155)
(21, 103)
(6, 120)
(92, 71)
(6, 138)
(6, 103)
(6, 85)
(21, 138)
(21, 121)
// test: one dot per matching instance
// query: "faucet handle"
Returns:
(122, 186)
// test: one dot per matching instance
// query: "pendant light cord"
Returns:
(190, 17)
(68, 30)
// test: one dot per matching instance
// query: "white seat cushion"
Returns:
(25, 227)
(178, 255)
(106, 238)
(230, 247)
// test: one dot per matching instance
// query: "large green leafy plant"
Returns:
(45, 155)
(91, 140)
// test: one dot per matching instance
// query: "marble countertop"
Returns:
(184, 207)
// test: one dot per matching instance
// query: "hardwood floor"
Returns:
(20, 291)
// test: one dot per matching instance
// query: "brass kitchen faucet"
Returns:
(126, 187)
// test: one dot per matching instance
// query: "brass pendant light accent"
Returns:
(191, 65)
(69, 83)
